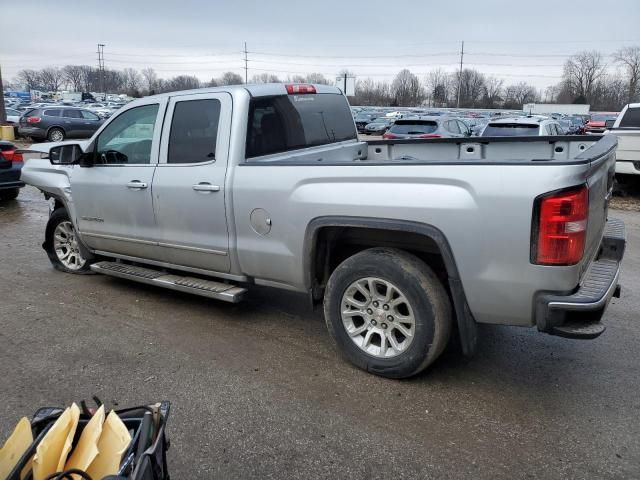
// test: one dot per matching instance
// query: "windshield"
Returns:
(510, 130)
(414, 128)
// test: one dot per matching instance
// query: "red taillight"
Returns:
(562, 227)
(12, 156)
(33, 119)
(430, 135)
(299, 88)
(389, 135)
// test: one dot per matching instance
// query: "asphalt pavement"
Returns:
(258, 390)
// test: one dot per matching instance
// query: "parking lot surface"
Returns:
(258, 391)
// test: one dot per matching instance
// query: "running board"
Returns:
(206, 288)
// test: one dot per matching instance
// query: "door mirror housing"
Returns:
(65, 154)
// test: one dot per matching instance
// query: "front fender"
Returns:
(53, 180)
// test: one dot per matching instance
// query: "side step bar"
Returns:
(197, 286)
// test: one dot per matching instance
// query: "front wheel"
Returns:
(63, 246)
(388, 312)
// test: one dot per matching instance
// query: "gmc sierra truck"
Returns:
(212, 191)
(627, 129)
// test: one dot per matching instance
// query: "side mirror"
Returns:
(609, 123)
(65, 154)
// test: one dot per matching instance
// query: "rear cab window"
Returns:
(282, 123)
(631, 118)
(510, 130)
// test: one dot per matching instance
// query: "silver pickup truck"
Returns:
(404, 242)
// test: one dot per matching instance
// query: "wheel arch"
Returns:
(323, 233)
(56, 126)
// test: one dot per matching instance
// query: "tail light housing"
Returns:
(33, 119)
(560, 227)
(298, 88)
(429, 135)
(389, 135)
(12, 156)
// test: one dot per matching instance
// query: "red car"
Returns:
(596, 122)
(8, 150)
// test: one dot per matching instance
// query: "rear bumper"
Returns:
(11, 185)
(577, 315)
(35, 132)
(627, 167)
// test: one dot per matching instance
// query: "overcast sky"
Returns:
(516, 40)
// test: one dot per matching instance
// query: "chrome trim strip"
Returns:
(115, 237)
(208, 273)
(193, 249)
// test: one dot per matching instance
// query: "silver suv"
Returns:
(529, 126)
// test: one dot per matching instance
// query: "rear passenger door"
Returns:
(72, 123)
(189, 183)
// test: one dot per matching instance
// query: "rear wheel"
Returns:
(55, 135)
(10, 194)
(388, 312)
(63, 246)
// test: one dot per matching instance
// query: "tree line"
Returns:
(586, 78)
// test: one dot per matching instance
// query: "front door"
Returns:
(113, 198)
(188, 187)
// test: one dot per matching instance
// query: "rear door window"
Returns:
(71, 114)
(414, 128)
(52, 113)
(631, 118)
(194, 131)
(289, 122)
(87, 115)
(510, 130)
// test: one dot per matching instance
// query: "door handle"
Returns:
(137, 184)
(206, 187)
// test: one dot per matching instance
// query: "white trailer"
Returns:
(548, 108)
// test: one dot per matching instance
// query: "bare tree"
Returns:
(406, 89)
(265, 78)
(73, 76)
(132, 81)
(369, 92)
(472, 87)
(150, 79)
(230, 78)
(30, 79)
(87, 78)
(517, 95)
(438, 87)
(582, 72)
(317, 78)
(51, 78)
(492, 92)
(181, 82)
(629, 57)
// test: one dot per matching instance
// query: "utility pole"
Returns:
(3, 112)
(101, 69)
(460, 74)
(246, 64)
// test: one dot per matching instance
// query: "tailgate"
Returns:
(600, 182)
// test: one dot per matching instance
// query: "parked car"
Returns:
(397, 240)
(428, 127)
(379, 126)
(55, 123)
(626, 128)
(9, 151)
(10, 168)
(364, 119)
(13, 115)
(528, 126)
(597, 122)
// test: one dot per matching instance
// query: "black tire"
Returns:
(53, 132)
(422, 289)
(57, 217)
(10, 194)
